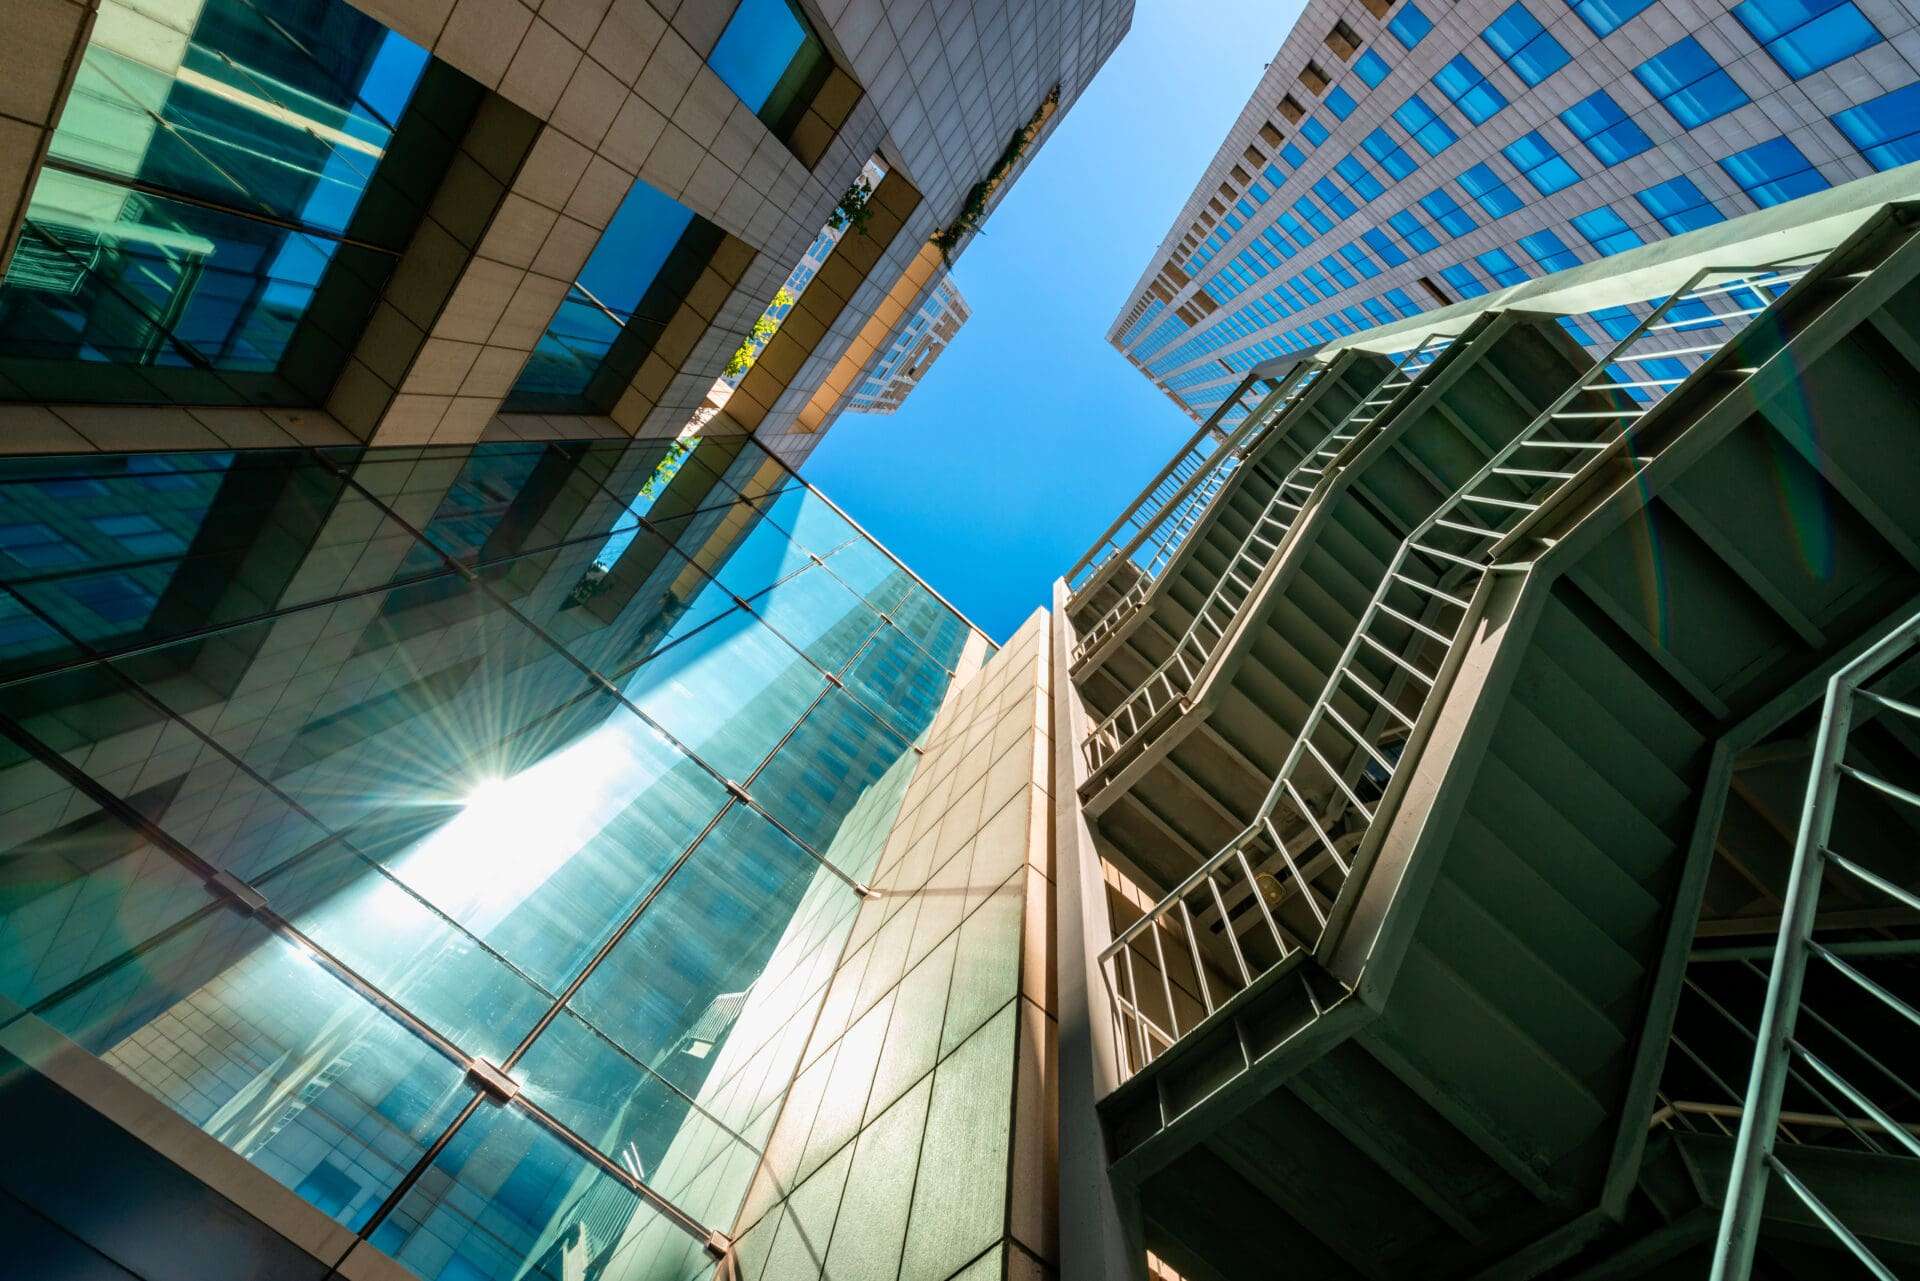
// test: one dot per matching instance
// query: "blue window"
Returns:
(1887, 130)
(1377, 310)
(1313, 131)
(1427, 128)
(142, 535)
(1410, 25)
(1357, 256)
(764, 52)
(1293, 155)
(1540, 164)
(1340, 102)
(1295, 232)
(1579, 334)
(1598, 121)
(1690, 84)
(1371, 67)
(1415, 235)
(114, 597)
(1606, 230)
(1443, 209)
(36, 546)
(1378, 241)
(1679, 205)
(1335, 199)
(1400, 302)
(1524, 45)
(1806, 35)
(1392, 156)
(1466, 87)
(1500, 266)
(1607, 16)
(1551, 252)
(1274, 176)
(1339, 271)
(1464, 282)
(1774, 172)
(1316, 216)
(1488, 191)
(1365, 185)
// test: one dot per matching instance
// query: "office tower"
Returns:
(1397, 157)
(467, 809)
(1448, 749)
(887, 384)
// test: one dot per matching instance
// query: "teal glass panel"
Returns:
(901, 681)
(871, 572)
(507, 1200)
(770, 57)
(249, 1039)
(816, 613)
(706, 936)
(80, 888)
(730, 693)
(821, 774)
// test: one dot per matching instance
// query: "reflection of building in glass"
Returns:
(1409, 154)
(891, 379)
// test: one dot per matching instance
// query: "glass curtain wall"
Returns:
(325, 773)
(224, 197)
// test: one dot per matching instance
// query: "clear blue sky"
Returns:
(1031, 433)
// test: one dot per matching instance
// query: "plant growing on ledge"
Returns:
(852, 211)
(759, 336)
(973, 210)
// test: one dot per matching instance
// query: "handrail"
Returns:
(1185, 463)
(1781, 1054)
(1303, 887)
(1179, 672)
(1245, 442)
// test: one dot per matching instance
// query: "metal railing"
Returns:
(1287, 891)
(1176, 675)
(1247, 441)
(1781, 1052)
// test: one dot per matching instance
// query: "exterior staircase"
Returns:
(1431, 825)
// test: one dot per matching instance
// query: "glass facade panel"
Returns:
(1805, 35)
(226, 191)
(1598, 121)
(413, 750)
(1886, 130)
(1774, 172)
(1607, 16)
(1410, 25)
(769, 56)
(1690, 84)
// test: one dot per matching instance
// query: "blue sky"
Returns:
(1031, 433)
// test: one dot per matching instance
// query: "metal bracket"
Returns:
(238, 892)
(740, 792)
(718, 1243)
(836, 681)
(493, 1080)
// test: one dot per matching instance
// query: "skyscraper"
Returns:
(461, 794)
(1399, 155)
(886, 384)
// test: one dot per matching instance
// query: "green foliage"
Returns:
(853, 211)
(973, 210)
(761, 334)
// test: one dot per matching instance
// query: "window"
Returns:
(1606, 230)
(1489, 192)
(1342, 41)
(1501, 268)
(1679, 205)
(1607, 16)
(1524, 45)
(1551, 252)
(1377, 310)
(1413, 233)
(1427, 128)
(1774, 172)
(141, 535)
(1464, 282)
(1314, 79)
(1690, 84)
(1887, 130)
(1598, 121)
(1335, 199)
(1340, 103)
(1357, 257)
(1371, 67)
(1313, 131)
(1806, 35)
(1443, 209)
(1365, 185)
(36, 546)
(1540, 164)
(1315, 216)
(1378, 241)
(1410, 25)
(1291, 109)
(1466, 87)
(1401, 302)
(1392, 156)
(771, 59)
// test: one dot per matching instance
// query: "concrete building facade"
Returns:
(1401, 155)
(885, 386)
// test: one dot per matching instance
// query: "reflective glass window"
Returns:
(1689, 83)
(1607, 16)
(1464, 282)
(1540, 163)
(1609, 134)
(1340, 102)
(1467, 87)
(1426, 128)
(1446, 211)
(1606, 230)
(1501, 268)
(1410, 25)
(1679, 205)
(1371, 67)
(1805, 35)
(1488, 191)
(1524, 45)
(1382, 244)
(1885, 130)
(1551, 252)
(1414, 234)
(1774, 172)
(1392, 156)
